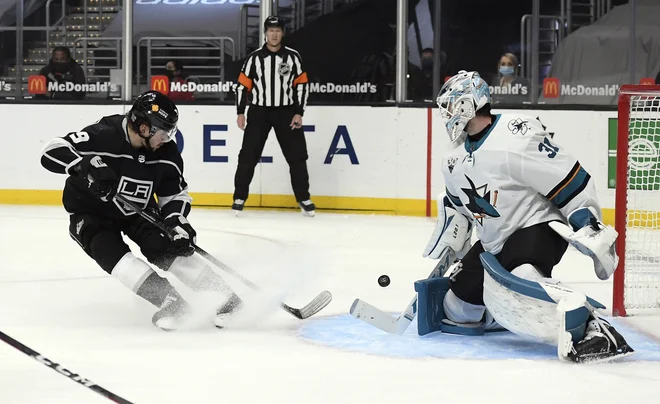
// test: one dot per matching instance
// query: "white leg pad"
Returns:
(523, 315)
(131, 271)
(529, 272)
(195, 273)
(460, 311)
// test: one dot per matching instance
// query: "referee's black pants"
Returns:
(260, 120)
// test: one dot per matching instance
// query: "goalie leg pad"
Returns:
(431, 316)
(529, 308)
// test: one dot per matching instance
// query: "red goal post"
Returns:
(636, 286)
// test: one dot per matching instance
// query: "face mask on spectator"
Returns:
(169, 73)
(60, 67)
(506, 70)
(427, 64)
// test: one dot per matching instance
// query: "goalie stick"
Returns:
(61, 370)
(317, 304)
(398, 325)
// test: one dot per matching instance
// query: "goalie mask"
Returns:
(459, 100)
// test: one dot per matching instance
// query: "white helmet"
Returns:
(459, 100)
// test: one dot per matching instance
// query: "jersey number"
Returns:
(549, 148)
(77, 137)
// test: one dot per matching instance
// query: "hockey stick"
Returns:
(398, 325)
(317, 304)
(61, 370)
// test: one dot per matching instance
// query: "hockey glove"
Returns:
(592, 238)
(183, 241)
(452, 229)
(101, 180)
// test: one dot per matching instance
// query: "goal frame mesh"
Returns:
(621, 188)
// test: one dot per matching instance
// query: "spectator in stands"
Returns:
(62, 69)
(421, 81)
(509, 86)
(174, 71)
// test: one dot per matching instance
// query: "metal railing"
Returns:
(116, 48)
(555, 28)
(298, 14)
(596, 9)
(245, 23)
(557, 34)
(222, 45)
(50, 27)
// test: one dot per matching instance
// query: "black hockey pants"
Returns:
(292, 142)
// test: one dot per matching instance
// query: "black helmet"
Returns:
(155, 110)
(273, 21)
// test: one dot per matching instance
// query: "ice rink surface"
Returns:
(56, 300)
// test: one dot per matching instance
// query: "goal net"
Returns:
(637, 207)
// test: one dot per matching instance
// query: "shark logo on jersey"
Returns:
(552, 134)
(479, 201)
(518, 126)
(451, 163)
(136, 191)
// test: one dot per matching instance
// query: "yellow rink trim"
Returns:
(385, 206)
(339, 204)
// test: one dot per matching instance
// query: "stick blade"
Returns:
(372, 315)
(317, 304)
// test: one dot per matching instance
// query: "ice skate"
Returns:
(233, 304)
(602, 343)
(237, 206)
(307, 208)
(172, 312)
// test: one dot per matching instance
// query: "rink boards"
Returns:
(372, 159)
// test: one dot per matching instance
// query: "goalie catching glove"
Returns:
(452, 229)
(592, 238)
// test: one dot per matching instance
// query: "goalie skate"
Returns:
(602, 343)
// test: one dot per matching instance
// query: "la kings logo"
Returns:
(136, 191)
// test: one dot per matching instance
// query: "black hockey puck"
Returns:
(383, 280)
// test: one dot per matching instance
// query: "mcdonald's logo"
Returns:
(647, 81)
(160, 84)
(37, 84)
(550, 87)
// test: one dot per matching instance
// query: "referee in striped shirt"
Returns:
(274, 78)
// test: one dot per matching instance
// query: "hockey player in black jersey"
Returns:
(133, 155)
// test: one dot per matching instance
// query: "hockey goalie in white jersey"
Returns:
(528, 199)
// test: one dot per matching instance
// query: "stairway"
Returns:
(580, 13)
(99, 57)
